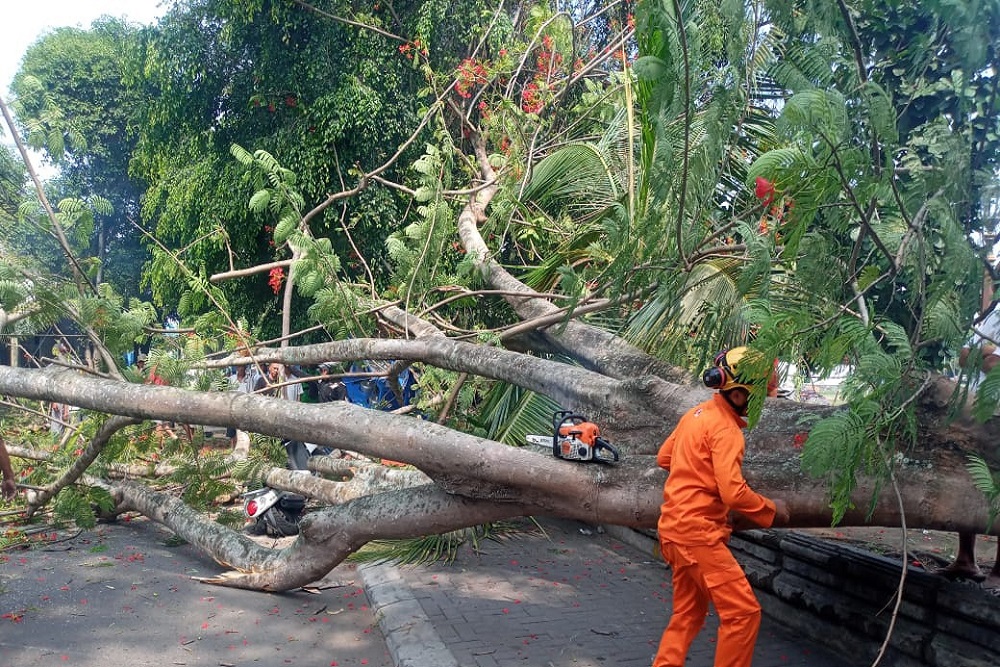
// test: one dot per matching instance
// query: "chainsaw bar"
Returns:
(540, 440)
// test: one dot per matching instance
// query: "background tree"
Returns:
(74, 104)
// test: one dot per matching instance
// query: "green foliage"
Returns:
(432, 548)
(837, 449)
(988, 483)
(77, 505)
(834, 231)
(204, 477)
(815, 113)
(511, 413)
(73, 103)
(987, 393)
(811, 182)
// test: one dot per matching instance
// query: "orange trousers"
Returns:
(703, 574)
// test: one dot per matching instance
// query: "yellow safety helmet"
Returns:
(725, 373)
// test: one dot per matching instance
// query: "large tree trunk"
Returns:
(476, 480)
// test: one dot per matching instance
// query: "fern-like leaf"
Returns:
(987, 483)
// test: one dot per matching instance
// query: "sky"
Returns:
(24, 22)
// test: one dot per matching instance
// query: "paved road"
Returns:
(121, 595)
(568, 597)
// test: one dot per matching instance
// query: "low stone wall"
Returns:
(843, 597)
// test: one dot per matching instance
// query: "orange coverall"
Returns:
(704, 455)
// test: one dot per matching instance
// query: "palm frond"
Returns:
(433, 548)
(510, 413)
(578, 178)
(988, 483)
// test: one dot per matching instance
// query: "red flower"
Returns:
(470, 73)
(765, 190)
(531, 99)
(276, 279)
(799, 440)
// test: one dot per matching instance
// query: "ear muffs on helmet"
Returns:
(724, 374)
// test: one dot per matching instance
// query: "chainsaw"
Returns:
(576, 439)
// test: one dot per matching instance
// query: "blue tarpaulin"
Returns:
(376, 392)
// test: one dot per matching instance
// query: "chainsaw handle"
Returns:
(601, 443)
(562, 416)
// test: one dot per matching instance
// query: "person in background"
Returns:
(293, 392)
(705, 484)
(267, 384)
(242, 381)
(8, 487)
(59, 413)
(298, 454)
(331, 388)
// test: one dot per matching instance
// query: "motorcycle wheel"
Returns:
(280, 524)
(256, 527)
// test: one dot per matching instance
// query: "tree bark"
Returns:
(476, 480)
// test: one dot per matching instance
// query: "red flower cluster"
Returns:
(276, 279)
(767, 193)
(764, 190)
(410, 49)
(484, 110)
(470, 73)
(531, 99)
(548, 58)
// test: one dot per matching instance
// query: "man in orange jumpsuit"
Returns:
(704, 455)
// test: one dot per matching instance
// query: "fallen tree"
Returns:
(471, 480)
(626, 249)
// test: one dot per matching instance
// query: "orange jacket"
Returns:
(704, 455)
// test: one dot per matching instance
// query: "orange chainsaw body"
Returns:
(577, 439)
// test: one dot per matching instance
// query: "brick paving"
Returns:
(569, 597)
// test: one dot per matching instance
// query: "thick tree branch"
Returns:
(80, 465)
(594, 348)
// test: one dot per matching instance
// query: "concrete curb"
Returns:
(409, 633)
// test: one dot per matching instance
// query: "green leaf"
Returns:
(260, 200)
(424, 194)
(284, 228)
(241, 154)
